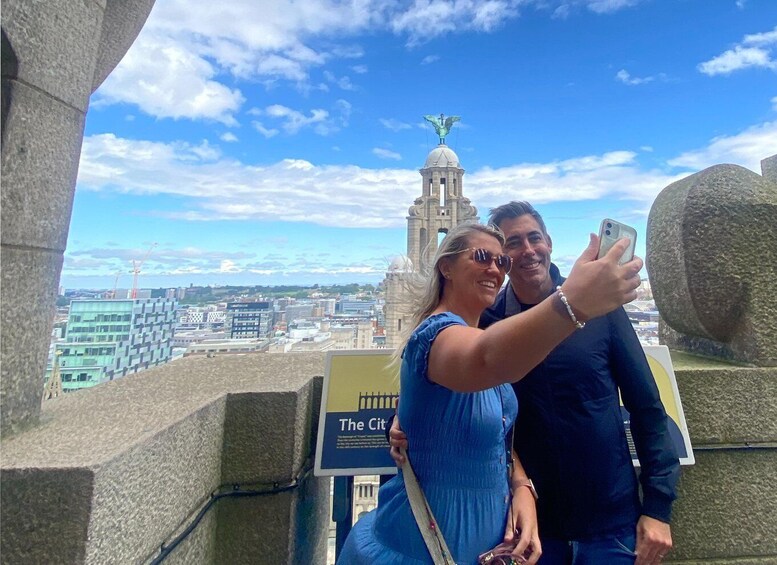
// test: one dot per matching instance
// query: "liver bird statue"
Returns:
(442, 125)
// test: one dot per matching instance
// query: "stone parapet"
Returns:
(727, 503)
(114, 472)
(54, 54)
(711, 259)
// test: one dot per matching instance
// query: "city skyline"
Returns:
(286, 150)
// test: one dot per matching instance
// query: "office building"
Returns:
(107, 339)
(249, 320)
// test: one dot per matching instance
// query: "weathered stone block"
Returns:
(253, 530)
(25, 273)
(39, 166)
(45, 515)
(726, 508)
(154, 447)
(727, 502)
(726, 404)
(769, 168)
(49, 54)
(141, 495)
(199, 546)
(711, 257)
(120, 26)
(56, 42)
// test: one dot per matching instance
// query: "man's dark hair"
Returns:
(514, 210)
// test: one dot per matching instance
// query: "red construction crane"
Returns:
(136, 271)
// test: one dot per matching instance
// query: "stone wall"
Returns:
(54, 54)
(726, 505)
(712, 256)
(113, 472)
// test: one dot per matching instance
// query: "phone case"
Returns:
(611, 231)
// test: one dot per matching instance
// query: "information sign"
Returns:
(361, 391)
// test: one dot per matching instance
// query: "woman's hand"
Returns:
(397, 440)
(598, 286)
(522, 522)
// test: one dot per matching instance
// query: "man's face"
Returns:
(530, 251)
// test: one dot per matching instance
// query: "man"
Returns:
(569, 433)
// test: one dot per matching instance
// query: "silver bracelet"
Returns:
(580, 325)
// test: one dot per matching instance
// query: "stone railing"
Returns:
(114, 473)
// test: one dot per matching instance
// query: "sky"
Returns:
(278, 142)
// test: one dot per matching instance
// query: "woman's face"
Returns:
(470, 281)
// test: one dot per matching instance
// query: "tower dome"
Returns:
(442, 156)
(401, 264)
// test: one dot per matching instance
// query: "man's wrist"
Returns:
(527, 483)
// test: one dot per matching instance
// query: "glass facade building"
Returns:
(107, 339)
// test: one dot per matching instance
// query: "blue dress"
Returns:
(458, 452)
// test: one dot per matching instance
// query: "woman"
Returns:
(457, 405)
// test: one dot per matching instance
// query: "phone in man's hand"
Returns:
(610, 232)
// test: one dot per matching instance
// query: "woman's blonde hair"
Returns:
(426, 288)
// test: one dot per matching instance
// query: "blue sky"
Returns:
(279, 142)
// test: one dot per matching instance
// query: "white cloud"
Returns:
(293, 120)
(736, 59)
(266, 132)
(394, 125)
(343, 109)
(171, 70)
(209, 186)
(165, 79)
(747, 149)
(755, 50)
(614, 175)
(97, 260)
(277, 66)
(426, 19)
(228, 137)
(228, 266)
(289, 190)
(180, 64)
(343, 82)
(173, 267)
(565, 8)
(767, 38)
(774, 103)
(386, 154)
(624, 77)
(429, 59)
(609, 6)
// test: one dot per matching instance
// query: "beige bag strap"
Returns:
(424, 517)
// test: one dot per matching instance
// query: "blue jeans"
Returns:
(616, 550)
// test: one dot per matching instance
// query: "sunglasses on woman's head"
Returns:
(484, 258)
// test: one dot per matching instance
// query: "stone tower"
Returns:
(440, 207)
(396, 309)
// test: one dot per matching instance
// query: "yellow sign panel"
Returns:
(361, 391)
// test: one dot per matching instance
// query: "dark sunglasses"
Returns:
(484, 258)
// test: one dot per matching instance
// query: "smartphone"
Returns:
(611, 231)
